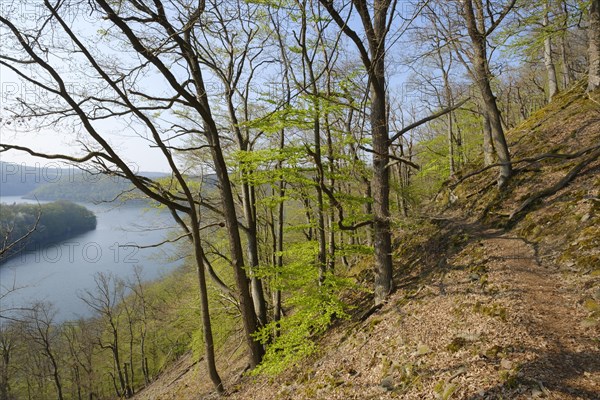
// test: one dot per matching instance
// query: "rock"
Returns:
(536, 393)
(589, 323)
(506, 364)
(422, 349)
(387, 383)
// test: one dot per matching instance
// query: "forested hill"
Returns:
(84, 187)
(17, 179)
(497, 292)
(26, 227)
(50, 183)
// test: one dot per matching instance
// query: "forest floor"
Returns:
(494, 320)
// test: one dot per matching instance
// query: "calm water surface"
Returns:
(61, 272)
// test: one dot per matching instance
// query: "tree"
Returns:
(8, 229)
(8, 336)
(594, 46)
(548, 55)
(40, 329)
(233, 48)
(78, 338)
(103, 301)
(478, 28)
(375, 22)
(141, 302)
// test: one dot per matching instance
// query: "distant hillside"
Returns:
(18, 179)
(31, 227)
(50, 184)
(82, 187)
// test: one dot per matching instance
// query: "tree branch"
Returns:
(427, 119)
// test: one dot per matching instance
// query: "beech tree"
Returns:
(548, 54)
(375, 21)
(103, 301)
(8, 337)
(39, 327)
(594, 46)
(481, 21)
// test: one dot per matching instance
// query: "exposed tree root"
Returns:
(520, 211)
(528, 160)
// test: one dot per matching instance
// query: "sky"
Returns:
(64, 139)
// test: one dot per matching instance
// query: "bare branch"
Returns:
(427, 119)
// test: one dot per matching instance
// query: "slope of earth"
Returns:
(500, 302)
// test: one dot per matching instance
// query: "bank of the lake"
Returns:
(59, 272)
(27, 227)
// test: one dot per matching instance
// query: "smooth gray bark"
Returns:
(548, 57)
(594, 46)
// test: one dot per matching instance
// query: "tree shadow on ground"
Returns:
(553, 370)
(556, 368)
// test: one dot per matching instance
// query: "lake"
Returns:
(61, 272)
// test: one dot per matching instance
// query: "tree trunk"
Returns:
(449, 102)
(128, 389)
(249, 210)
(567, 72)
(258, 297)
(594, 46)
(488, 145)
(117, 359)
(482, 77)
(451, 146)
(461, 159)
(209, 349)
(144, 359)
(279, 244)
(6, 348)
(249, 319)
(374, 18)
(317, 154)
(381, 189)
(322, 252)
(548, 58)
(331, 247)
(55, 374)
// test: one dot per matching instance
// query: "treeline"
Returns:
(50, 182)
(25, 227)
(135, 330)
(325, 124)
(84, 187)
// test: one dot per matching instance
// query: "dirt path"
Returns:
(567, 365)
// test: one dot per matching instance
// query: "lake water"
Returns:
(61, 272)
